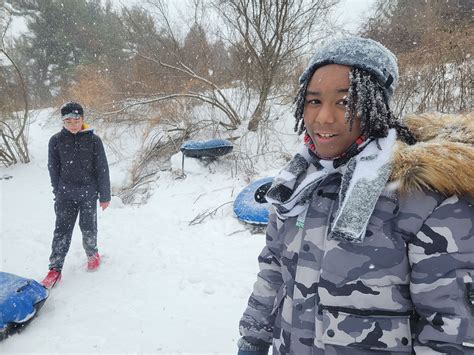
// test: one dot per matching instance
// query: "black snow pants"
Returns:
(66, 216)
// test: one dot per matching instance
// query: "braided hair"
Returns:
(366, 100)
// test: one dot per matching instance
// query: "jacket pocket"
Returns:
(466, 277)
(370, 330)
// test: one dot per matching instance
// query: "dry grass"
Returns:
(93, 89)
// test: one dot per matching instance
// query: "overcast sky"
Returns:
(352, 12)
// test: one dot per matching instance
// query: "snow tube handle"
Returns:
(21, 288)
(260, 193)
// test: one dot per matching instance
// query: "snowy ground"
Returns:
(163, 287)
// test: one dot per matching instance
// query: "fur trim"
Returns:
(443, 158)
(453, 128)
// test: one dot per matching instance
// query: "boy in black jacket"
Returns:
(79, 176)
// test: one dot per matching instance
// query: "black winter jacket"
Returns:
(78, 166)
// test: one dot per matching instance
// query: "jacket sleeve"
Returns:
(102, 171)
(54, 163)
(442, 259)
(256, 325)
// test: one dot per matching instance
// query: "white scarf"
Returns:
(364, 178)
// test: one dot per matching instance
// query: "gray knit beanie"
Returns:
(363, 53)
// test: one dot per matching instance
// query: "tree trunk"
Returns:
(260, 110)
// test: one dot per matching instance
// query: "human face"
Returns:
(324, 110)
(74, 125)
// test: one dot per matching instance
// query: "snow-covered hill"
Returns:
(163, 287)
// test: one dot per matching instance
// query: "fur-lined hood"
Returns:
(443, 158)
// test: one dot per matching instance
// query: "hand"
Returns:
(104, 205)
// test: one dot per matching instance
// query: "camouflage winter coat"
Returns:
(407, 288)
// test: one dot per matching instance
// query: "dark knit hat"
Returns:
(363, 53)
(72, 110)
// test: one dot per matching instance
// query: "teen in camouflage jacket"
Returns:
(406, 288)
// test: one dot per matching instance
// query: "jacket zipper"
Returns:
(360, 312)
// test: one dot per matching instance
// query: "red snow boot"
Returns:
(93, 262)
(51, 279)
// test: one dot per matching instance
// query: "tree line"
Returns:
(120, 60)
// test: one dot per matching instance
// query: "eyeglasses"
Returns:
(72, 122)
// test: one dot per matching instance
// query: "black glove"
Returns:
(246, 348)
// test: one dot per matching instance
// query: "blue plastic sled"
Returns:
(250, 205)
(206, 149)
(20, 300)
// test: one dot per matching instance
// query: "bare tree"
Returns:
(15, 107)
(266, 39)
(165, 56)
(272, 35)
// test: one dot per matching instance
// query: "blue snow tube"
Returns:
(206, 149)
(20, 300)
(250, 205)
